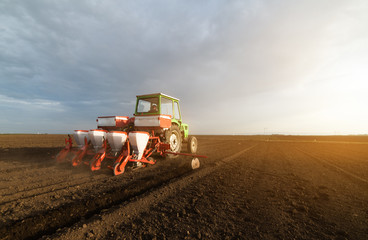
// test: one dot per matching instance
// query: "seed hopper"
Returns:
(155, 130)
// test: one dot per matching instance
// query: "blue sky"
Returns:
(238, 67)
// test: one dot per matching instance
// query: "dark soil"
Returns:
(247, 188)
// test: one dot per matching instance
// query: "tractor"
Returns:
(161, 113)
(156, 128)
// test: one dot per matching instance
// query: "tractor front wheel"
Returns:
(192, 144)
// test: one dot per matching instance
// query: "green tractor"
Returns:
(156, 128)
(160, 115)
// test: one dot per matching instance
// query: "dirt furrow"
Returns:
(81, 184)
(129, 211)
(271, 191)
(336, 201)
(49, 221)
(29, 191)
(343, 158)
(337, 168)
(69, 211)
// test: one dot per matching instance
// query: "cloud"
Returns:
(242, 59)
(41, 104)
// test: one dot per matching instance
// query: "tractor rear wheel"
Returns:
(192, 144)
(173, 137)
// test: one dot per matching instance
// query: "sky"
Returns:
(238, 67)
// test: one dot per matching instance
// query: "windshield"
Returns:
(148, 105)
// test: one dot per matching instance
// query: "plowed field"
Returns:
(251, 187)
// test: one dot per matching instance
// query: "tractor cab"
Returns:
(158, 103)
(160, 113)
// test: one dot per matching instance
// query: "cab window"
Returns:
(148, 105)
(166, 106)
(176, 110)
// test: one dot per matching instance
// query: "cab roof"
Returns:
(157, 94)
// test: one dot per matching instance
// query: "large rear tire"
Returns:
(173, 137)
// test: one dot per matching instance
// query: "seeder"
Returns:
(155, 129)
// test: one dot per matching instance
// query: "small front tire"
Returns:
(192, 145)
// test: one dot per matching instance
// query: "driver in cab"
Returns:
(153, 109)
